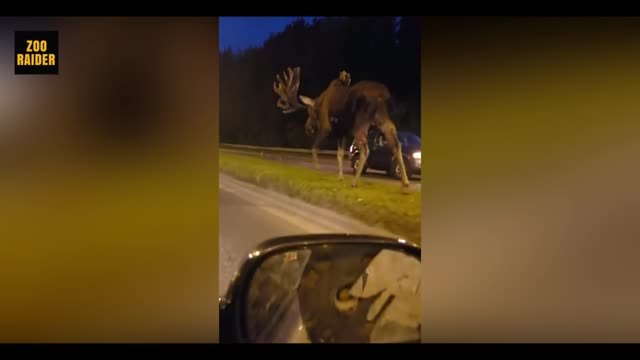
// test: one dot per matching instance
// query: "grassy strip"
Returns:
(377, 204)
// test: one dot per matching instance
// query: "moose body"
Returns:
(357, 107)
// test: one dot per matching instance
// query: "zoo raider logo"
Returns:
(37, 52)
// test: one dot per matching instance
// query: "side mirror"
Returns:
(325, 288)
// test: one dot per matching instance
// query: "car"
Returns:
(382, 158)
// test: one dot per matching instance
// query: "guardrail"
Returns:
(274, 149)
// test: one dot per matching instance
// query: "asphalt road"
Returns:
(328, 165)
(250, 215)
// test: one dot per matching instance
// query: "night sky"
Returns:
(239, 33)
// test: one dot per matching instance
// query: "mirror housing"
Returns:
(260, 284)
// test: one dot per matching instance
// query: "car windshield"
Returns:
(409, 139)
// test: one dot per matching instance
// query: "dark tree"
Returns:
(383, 49)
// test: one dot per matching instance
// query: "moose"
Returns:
(355, 108)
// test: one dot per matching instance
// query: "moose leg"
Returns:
(360, 135)
(341, 144)
(391, 135)
(363, 149)
(323, 132)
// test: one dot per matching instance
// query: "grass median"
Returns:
(377, 204)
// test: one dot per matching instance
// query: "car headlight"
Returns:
(417, 155)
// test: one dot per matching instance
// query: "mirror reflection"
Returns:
(338, 293)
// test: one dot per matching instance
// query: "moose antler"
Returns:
(288, 90)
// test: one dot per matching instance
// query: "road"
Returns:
(328, 165)
(250, 215)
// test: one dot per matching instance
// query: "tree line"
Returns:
(384, 49)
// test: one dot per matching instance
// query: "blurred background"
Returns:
(109, 183)
(531, 201)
